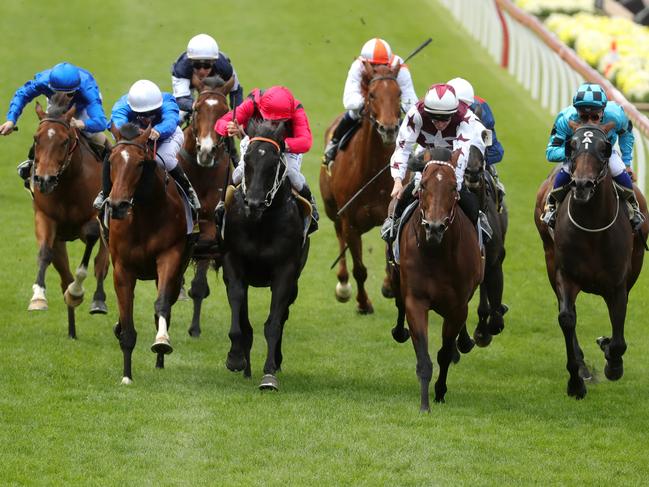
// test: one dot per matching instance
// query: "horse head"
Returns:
(474, 168)
(265, 167)
(210, 105)
(382, 99)
(589, 151)
(131, 161)
(54, 142)
(438, 195)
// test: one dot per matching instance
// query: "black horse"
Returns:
(265, 246)
(490, 309)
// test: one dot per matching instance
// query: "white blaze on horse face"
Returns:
(439, 176)
(124, 155)
(212, 102)
(261, 152)
(50, 133)
(206, 143)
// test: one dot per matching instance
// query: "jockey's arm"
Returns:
(96, 121)
(556, 149)
(352, 97)
(244, 112)
(626, 139)
(468, 133)
(170, 117)
(26, 93)
(494, 153)
(406, 139)
(302, 139)
(120, 113)
(408, 95)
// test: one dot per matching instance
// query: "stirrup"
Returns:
(485, 227)
(99, 202)
(388, 229)
(549, 215)
(24, 169)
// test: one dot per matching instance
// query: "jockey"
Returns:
(201, 59)
(278, 104)
(145, 105)
(375, 51)
(590, 105)
(80, 86)
(494, 152)
(439, 120)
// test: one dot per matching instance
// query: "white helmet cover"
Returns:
(202, 46)
(463, 90)
(440, 99)
(377, 51)
(144, 96)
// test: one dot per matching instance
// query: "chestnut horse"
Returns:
(205, 160)
(440, 269)
(592, 249)
(65, 176)
(148, 238)
(367, 155)
(490, 308)
(265, 246)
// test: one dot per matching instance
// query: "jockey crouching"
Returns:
(439, 120)
(82, 90)
(590, 105)
(145, 105)
(276, 104)
(376, 52)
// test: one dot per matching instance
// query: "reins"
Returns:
(75, 143)
(279, 178)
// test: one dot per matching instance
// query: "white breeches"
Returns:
(615, 163)
(166, 150)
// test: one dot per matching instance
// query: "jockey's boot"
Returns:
(305, 193)
(219, 214)
(484, 227)
(106, 183)
(346, 123)
(25, 168)
(500, 187)
(635, 217)
(181, 178)
(556, 196)
(391, 223)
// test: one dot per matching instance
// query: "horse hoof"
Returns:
(72, 300)
(503, 309)
(162, 345)
(465, 346)
(126, 381)
(613, 372)
(603, 342)
(424, 409)
(182, 295)
(269, 383)
(234, 364)
(496, 328)
(343, 292)
(482, 339)
(584, 373)
(400, 335)
(37, 305)
(387, 292)
(366, 310)
(98, 307)
(455, 358)
(194, 333)
(117, 330)
(577, 388)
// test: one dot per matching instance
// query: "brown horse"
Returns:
(440, 269)
(65, 176)
(148, 238)
(365, 157)
(592, 249)
(205, 159)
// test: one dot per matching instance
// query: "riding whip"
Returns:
(362, 189)
(423, 44)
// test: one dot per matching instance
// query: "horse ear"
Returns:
(227, 87)
(115, 131)
(144, 136)
(608, 127)
(573, 125)
(607, 150)
(395, 70)
(478, 111)
(280, 131)
(70, 113)
(455, 155)
(39, 111)
(416, 162)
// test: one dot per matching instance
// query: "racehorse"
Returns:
(148, 238)
(490, 308)
(265, 246)
(365, 157)
(205, 160)
(440, 269)
(65, 176)
(593, 249)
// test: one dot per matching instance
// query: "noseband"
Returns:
(66, 162)
(587, 142)
(217, 94)
(279, 178)
(448, 220)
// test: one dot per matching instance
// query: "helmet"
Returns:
(202, 46)
(440, 99)
(276, 103)
(463, 90)
(65, 77)
(144, 96)
(590, 95)
(377, 51)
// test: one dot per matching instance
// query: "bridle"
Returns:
(450, 218)
(370, 114)
(586, 140)
(279, 177)
(148, 152)
(75, 142)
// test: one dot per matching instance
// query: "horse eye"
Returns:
(371, 96)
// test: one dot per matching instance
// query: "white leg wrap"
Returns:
(162, 328)
(76, 287)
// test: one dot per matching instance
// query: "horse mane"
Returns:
(58, 106)
(267, 128)
(129, 131)
(213, 82)
(440, 154)
(377, 70)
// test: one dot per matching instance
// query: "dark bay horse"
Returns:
(366, 156)
(592, 249)
(440, 269)
(148, 238)
(490, 308)
(265, 246)
(206, 162)
(65, 176)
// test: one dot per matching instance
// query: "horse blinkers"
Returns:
(599, 150)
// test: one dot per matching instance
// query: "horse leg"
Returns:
(615, 346)
(62, 265)
(45, 230)
(198, 292)
(98, 305)
(399, 332)
(481, 335)
(124, 282)
(387, 288)
(343, 287)
(237, 293)
(567, 293)
(278, 351)
(246, 337)
(444, 358)
(355, 242)
(417, 314)
(73, 294)
(494, 284)
(170, 278)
